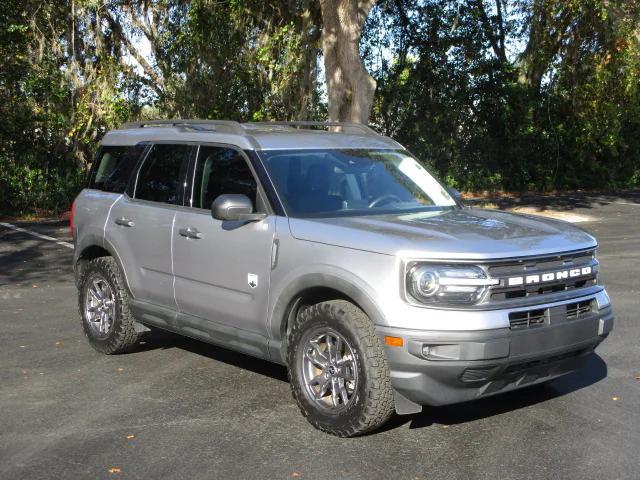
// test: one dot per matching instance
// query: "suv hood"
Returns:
(469, 233)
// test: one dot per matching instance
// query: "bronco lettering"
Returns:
(549, 276)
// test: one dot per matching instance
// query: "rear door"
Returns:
(108, 178)
(222, 269)
(140, 223)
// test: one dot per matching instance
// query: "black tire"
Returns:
(121, 336)
(371, 403)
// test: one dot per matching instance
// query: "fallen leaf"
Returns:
(22, 346)
(615, 399)
(57, 343)
(130, 437)
(295, 474)
(638, 377)
(34, 286)
(114, 470)
(120, 369)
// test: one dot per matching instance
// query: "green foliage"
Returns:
(28, 187)
(561, 113)
(494, 95)
(56, 102)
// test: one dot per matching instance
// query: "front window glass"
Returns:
(331, 182)
(221, 171)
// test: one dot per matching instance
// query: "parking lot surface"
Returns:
(178, 408)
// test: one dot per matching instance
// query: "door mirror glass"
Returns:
(234, 207)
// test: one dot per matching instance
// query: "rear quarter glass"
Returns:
(113, 166)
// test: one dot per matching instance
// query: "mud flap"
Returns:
(403, 405)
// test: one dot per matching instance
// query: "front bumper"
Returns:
(445, 367)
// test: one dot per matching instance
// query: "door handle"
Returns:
(125, 222)
(190, 233)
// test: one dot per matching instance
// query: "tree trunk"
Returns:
(350, 88)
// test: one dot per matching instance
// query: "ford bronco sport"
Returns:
(331, 250)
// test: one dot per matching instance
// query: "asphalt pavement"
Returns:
(179, 408)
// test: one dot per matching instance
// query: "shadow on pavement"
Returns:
(159, 339)
(592, 372)
(31, 265)
(26, 259)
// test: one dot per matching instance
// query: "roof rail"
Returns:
(238, 128)
(345, 126)
(194, 123)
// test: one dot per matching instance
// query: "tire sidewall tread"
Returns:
(373, 405)
(123, 335)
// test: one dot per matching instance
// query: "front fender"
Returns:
(343, 281)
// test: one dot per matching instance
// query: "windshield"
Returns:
(331, 182)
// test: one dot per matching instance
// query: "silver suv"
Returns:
(331, 250)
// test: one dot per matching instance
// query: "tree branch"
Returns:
(158, 81)
(500, 26)
(488, 30)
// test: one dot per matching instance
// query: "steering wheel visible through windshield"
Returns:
(351, 182)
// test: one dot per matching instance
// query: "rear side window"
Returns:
(161, 176)
(113, 167)
(221, 171)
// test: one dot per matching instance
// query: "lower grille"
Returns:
(579, 309)
(529, 318)
(478, 374)
(521, 367)
(551, 315)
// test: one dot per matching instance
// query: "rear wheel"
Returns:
(103, 302)
(338, 371)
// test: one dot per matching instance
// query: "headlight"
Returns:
(447, 284)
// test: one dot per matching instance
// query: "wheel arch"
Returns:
(308, 290)
(95, 248)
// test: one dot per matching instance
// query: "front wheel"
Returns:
(338, 370)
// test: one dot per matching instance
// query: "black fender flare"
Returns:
(350, 289)
(90, 241)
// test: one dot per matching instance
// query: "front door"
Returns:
(221, 268)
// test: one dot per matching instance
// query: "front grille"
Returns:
(579, 309)
(530, 318)
(535, 290)
(534, 266)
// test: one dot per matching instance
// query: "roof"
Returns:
(251, 136)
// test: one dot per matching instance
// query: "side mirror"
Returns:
(234, 207)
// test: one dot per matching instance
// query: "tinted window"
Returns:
(219, 171)
(160, 175)
(113, 167)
